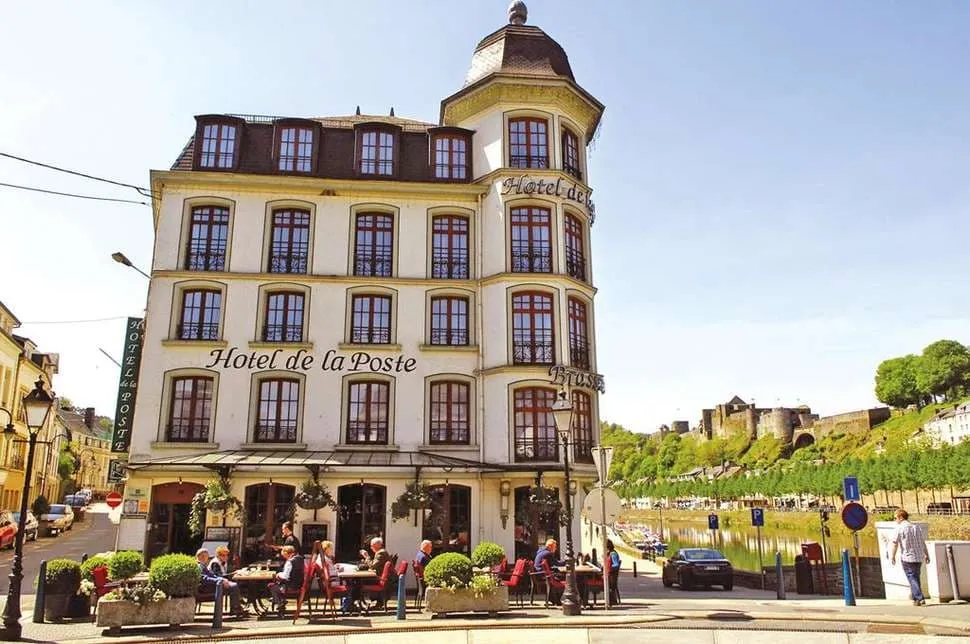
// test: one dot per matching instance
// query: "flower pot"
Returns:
(116, 613)
(440, 601)
(217, 506)
(79, 606)
(55, 607)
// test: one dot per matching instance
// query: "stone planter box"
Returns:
(117, 613)
(441, 601)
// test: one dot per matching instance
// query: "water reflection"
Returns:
(740, 544)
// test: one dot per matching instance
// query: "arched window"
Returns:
(208, 239)
(284, 317)
(368, 412)
(450, 424)
(449, 321)
(289, 241)
(200, 315)
(575, 249)
(531, 240)
(533, 338)
(374, 244)
(582, 434)
(578, 335)
(528, 142)
(449, 247)
(535, 428)
(278, 411)
(570, 154)
(191, 410)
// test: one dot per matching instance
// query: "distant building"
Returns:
(92, 451)
(950, 425)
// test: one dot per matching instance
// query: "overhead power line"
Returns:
(145, 192)
(117, 317)
(71, 194)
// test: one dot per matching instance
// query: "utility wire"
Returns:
(117, 317)
(145, 192)
(71, 194)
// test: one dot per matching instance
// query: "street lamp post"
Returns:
(562, 413)
(37, 407)
(122, 259)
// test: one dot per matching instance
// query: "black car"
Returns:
(692, 567)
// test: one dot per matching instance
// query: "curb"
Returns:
(307, 630)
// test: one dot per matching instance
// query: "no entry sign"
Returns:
(113, 500)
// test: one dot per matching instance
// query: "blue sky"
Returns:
(781, 187)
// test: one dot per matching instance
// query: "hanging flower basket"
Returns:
(313, 496)
(216, 497)
(542, 504)
(416, 496)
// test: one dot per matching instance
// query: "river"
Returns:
(739, 543)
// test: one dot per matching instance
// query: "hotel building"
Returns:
(374, 300)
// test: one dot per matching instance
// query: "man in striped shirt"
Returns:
(910, 541)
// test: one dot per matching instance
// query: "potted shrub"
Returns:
(124, 565)
(92, 562)
(487, 555)
(453, 588)
(167, 598)
(62, 581)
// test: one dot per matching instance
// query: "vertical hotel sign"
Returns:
(128, 385)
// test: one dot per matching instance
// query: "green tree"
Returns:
(944, 369)
(896, 381)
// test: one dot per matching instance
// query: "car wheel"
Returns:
(666, 582)
(685, 582)
(728, 586)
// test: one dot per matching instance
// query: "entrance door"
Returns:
(360, 518)
(449, 523)
(531, 528)
(169, 518)
(267, 506)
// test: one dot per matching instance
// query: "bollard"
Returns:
(217, 608)
(634, 568)
(951, 564)
(779, 575)
(84, 557)
(41, 593)
(401, 590)
(847, 592)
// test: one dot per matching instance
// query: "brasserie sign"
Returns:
(569, 190)
(571, 377)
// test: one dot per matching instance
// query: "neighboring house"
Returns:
(950, 425)
(91, 450)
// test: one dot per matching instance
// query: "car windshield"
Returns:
(58, 509)
(702, 554)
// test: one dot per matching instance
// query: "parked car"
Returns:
(59, 519)
(86, 493)
(75, 500)
(692, 567)
(8, 530)
(30, 528)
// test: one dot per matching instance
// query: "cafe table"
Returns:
(354, 580)
(583, 572)
(253, 584)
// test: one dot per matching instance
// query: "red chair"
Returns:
(332, 591)
(501, 569)
(380, 588)
(419, 578)
(552, 583)
(311, 571)
(518, 582)
(594, 584)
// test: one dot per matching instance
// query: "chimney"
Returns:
(89, 417)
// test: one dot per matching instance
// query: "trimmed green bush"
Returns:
(40, 506)
(175, 575)
(63, 577)
(448, 570)
(487, 555)
(91, 563)
(125, 564)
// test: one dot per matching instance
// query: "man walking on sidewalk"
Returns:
(910, 540)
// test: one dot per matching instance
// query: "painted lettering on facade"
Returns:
(569, 190)
(301, 360)
(571, 377)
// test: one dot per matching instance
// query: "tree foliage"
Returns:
(896, 381)
(942, 371)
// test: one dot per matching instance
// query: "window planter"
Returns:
(120, 612)
(441, 601)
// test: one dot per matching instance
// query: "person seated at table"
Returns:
(376, 563)
(424, 553)
(290, 578)
(209, 582)
(219, 566)
(547, 553)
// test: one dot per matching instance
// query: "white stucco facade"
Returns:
(328, 359)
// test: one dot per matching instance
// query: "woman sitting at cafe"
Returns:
(219, 566)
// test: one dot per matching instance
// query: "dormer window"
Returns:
(450, 157)
(528, 143)
(570, 154)
(295, 146)
(377, 152)
(218, 146)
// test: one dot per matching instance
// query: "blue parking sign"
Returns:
(757, 517)
(712, 522)
(850, 488)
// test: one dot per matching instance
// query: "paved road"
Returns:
(95, 534)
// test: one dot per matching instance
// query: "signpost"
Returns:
(758, 521)
(713, 525)
(113, 500)
(855, 518)
(602, 458)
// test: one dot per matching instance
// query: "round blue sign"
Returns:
(854, 516)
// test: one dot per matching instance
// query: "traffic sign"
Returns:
(757, 517)
(850, 488)
(854, 516)
(594, 502)
(113, 500)
(712, 522)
